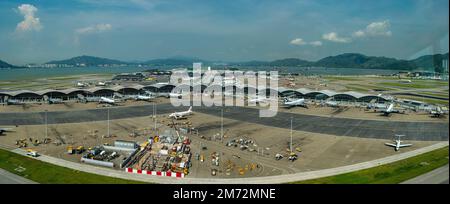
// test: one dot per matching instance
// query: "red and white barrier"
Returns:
(155, 173)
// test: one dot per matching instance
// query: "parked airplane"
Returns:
(297, 102)
(333, 104)
(101, 83)
(175, 95)
(398, 143)
(387, 111)
(55, 101)
(143, 98)
(437, 112)
(179, 115)
(3, 130)
(82, 85)
(14, 102)
(259, 99)
(107, 100)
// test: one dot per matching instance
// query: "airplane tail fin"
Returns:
(190, 109)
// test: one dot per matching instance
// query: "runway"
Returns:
(10, 178)
(437, 176)
(420, 131)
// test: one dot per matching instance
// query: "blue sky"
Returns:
(237, 30)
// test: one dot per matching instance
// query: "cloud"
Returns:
(99, 28)
(359, 34)
(298, 41)
(375, 29)
(316, 43)
(30, 21)
(334, 37)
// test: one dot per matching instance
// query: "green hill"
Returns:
(87, 60)
(4, 64)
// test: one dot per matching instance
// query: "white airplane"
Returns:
(101, 83)
(259, 99)
(398, 143)
(178, 115)
(333, 104)
(143, 98)
(107, 100)
(175, 95)
(81, 84)
(3, 130)
(376, 106)
(437, 112)
(387, 111)
(14, 102)
(55, 101)
(297, 102)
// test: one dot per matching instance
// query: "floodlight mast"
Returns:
(291, 136)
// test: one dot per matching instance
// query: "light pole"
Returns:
(154, 113)
(290, 144)
(221, 125)
(108, 125)
(46, 125)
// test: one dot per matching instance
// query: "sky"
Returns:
(37, 31)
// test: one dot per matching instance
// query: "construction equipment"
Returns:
(213, 172)
(202, 158)
(36, 142)
(47, 140)
(241, 171)
(293, 156)
(21, 143)
(278, 156)
(79, 150)
(70, 149)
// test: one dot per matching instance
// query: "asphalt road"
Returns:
(285, 178)
(421, 131)
(10, 178)
(437, 176)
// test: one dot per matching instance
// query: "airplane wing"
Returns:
(390, 144)
(405, 145)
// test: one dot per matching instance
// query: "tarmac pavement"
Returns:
(419, 131)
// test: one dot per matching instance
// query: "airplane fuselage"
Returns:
(182, 114)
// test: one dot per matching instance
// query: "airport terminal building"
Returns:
(75, 94)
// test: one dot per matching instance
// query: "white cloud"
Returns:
(30, 21)
(359, 34)
(316, 43)
(298, 41)
(375, 29)
(94, 29)
(334, 37)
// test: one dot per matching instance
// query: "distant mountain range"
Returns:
(87, 61)
(5, 65)
(355, 60)
(347, 60)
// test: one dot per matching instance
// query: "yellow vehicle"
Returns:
(144, 145)
(69, 150)
(202, 158)
(241, 171)
(80, 149)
